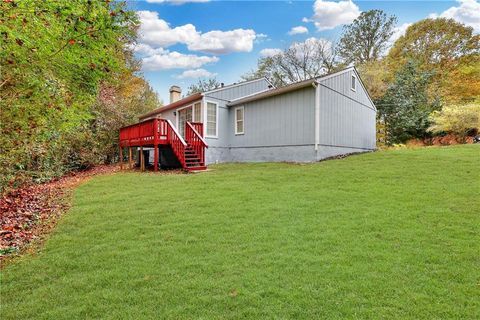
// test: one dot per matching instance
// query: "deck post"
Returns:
(121, 157)
(155, 145)
(155, 158)
(142, 160)
(130, 157)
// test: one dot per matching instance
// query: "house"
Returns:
(252, 121)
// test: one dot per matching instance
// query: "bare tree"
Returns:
(302, 60)
(203, 85)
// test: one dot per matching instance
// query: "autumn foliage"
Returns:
(67, 83)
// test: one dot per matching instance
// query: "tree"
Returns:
(376, 76)
(462, 83)
(203, 85)
(457, 119)
(301, 61)
(406, 106)
(435, 44)
(55, 58)
(366, 38)
(448, 49)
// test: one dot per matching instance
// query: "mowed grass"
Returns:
(385, 235)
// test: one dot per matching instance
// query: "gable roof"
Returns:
(178, 103)
(364, 88)
(274, 92)
(256, 96)
(194, 97)
(236, 85)
(297, 86)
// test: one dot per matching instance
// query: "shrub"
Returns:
(460, 119)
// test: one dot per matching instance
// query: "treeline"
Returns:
(67, 83)
(424, 84)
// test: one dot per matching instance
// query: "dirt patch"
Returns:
(27, 214)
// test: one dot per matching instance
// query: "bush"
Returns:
(459, 119)
(55, 59)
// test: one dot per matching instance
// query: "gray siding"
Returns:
(168, 115)
(342, 84)
(347, 118)
(283, 120)
(218, 147)
(240, 90)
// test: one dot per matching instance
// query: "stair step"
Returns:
(197, 168)
(190, 163)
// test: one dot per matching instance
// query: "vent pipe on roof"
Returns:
(175, 93)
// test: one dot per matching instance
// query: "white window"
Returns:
(354, 83)
(197, 112)
(239, 120)
(211, 119)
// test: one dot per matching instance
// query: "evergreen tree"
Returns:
(406, 105)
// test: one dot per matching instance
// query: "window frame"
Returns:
(236, 120)
(353, 80)
(192, 106)
(177, 115)
(206, 119)
(194, 113)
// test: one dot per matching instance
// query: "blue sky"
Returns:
(182, 41)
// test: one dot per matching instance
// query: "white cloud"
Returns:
(298, 30)
(156, 32)
(145, 50)
(270, 52)
(261, 37)
(195, 73)
(328, 14)
(222, 42)
(165, 59)
(468, 13)
(178, 2)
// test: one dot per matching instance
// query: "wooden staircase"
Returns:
(192, 160)
(151, 133)
(194, 154)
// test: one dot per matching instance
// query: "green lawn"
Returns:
(386, 235)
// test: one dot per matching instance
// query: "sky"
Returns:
(182, 41)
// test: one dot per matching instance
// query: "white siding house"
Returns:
(302, 122)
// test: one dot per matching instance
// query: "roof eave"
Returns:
(273, 92)
(174, 105)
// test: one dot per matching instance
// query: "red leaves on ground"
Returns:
(29, 212)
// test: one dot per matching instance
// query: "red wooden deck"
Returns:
(154, 132)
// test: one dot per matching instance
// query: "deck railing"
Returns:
(194, 139)
(177, 143)
(143, 133)
(156, 131)
(138, 134)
